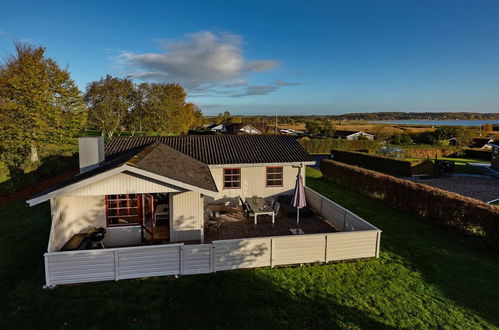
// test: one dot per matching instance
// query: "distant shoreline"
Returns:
(456, 122)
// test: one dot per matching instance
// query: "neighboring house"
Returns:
(154, 196)
(453, 141)
(353, 135)
(240, 128)
(217, 128)
(481, 143)
(494, 161)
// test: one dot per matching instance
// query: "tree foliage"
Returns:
(147, 108)
(109, 100)
(39, 103)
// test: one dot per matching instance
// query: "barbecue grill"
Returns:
(96, 235)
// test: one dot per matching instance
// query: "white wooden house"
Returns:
(151, 195)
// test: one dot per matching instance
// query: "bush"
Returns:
(383, 164)
(477, 154)
(322, 146)
(446, 208)
(429, 152)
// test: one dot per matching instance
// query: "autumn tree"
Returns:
(39, 104)
(109, 100)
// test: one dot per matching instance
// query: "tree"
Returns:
(313, 127)
(109, 100)
(328, 128)
(39, 104)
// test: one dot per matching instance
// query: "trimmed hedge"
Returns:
(324, 146)
(383, 164)
(446, 208)
(428, 152)
(478, 154)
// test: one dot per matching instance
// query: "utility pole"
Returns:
(276, 121)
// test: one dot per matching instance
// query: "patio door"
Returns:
(148, 219)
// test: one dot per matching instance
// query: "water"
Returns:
(439, 122)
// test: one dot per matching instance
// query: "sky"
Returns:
(284, 57)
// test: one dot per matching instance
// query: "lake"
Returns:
(439, 122)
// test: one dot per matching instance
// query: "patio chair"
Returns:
(276, 207)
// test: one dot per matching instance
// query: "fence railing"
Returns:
(359, 240)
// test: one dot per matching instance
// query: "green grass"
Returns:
(460, 165)
(426, 277)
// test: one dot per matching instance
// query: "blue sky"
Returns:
(293, 57)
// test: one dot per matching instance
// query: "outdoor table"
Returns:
(261, 207)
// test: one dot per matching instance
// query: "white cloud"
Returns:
(2, 32)
(201, 59)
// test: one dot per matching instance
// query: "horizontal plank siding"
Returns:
(298, 249)
(359, 240)
(123, 236)
(155, 260)
(92, 266)
(351, 245)
(197, 259)
(241, 253)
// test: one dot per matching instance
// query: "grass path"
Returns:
(426, 277)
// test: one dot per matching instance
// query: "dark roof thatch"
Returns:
(220, 149)
(160, 159)
(156, 158)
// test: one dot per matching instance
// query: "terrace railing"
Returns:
(358, 240)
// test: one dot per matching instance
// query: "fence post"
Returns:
(378, 243)
(325, 244)
(272, 253)
(116, 265)
(47, 271)
(181, 259)
(212, 258)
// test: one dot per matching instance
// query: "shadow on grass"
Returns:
(49, 166)
(235, 299)
(461, 267)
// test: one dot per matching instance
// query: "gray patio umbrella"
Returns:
(299, 200)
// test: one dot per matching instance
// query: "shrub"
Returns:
(383, 164)
(326, 145)
(446, 208)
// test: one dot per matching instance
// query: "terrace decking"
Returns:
(234, 224)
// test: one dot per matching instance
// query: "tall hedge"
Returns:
(320, 146)
(383, 164)
(446, 208)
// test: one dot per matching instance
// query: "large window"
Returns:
(123, 210)
(232, 178)
(274, 176)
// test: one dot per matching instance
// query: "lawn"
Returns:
(426, 277)
(460, 165)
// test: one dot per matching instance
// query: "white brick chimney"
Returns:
(91, 151)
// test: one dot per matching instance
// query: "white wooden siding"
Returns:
(297, 249)
(75, 214)
(197, 259)
(79, 266)
(172, 259)
(254, 181)
(123, 183)
(146, 261)
(242, 253)
(123, 236)
(352, 245)
(187, 217)
(342, 218)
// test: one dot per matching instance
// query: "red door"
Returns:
(148, 219)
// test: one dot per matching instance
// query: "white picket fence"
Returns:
(358, 240)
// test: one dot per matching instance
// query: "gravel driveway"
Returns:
(484, 189)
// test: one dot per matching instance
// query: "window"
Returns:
(232, 178)
(274, 176)
(123, 210)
